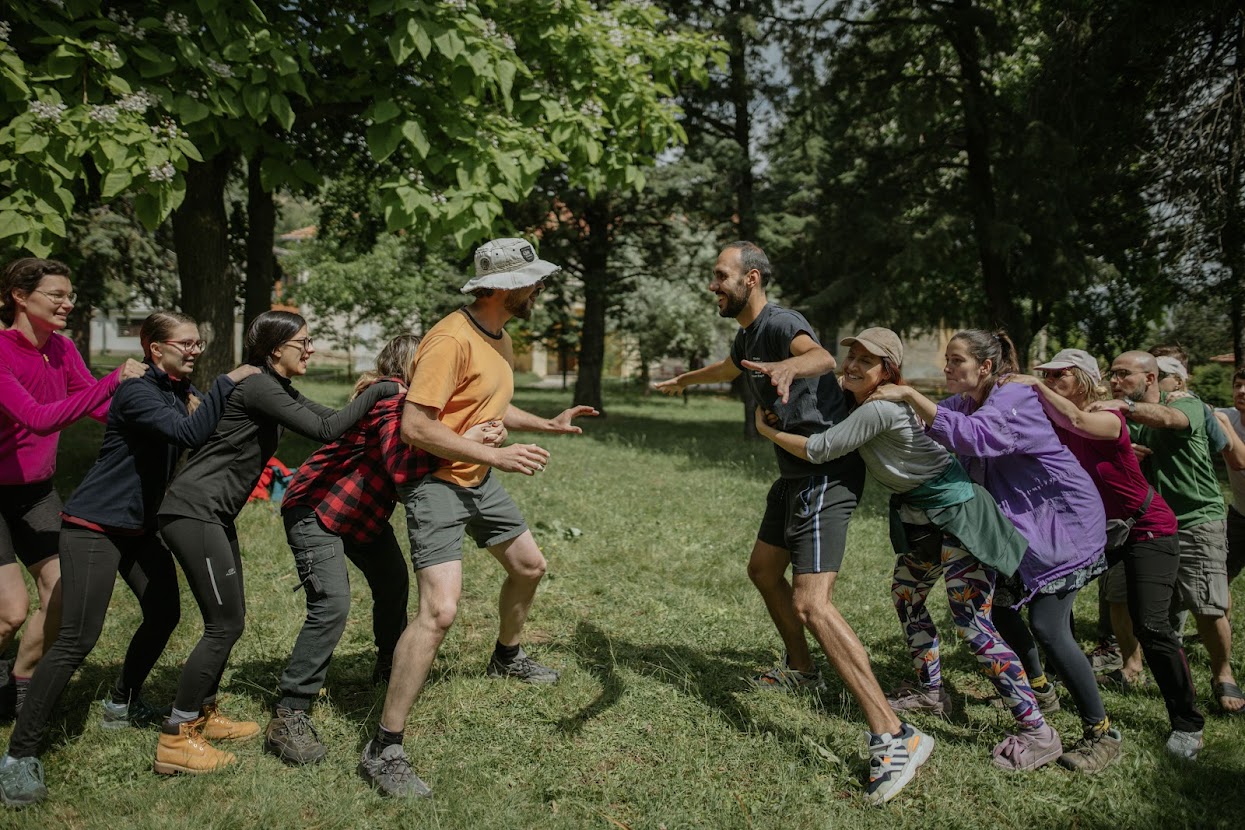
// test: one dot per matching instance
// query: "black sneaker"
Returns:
(291, 737)
(390, 773)
(522, 668)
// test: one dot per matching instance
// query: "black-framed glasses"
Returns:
(1120, 374)
(60, 297)
(187, 346)
(304, 343)
(1055, 374)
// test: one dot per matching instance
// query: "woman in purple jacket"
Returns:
(1008, 445)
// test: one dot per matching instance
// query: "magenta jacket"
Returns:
(1009, 447)
(42, 391)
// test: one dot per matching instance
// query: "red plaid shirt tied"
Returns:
(352, 483)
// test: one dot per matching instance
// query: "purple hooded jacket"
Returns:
(1009, 447)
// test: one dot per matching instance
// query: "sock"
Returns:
(179, 716)
(22, 686)
(1039, 683)
(383, 739)
(506, 653)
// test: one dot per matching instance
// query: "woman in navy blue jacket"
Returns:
(109, 527)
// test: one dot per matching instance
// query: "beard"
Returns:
(521, 308)
(735, 302)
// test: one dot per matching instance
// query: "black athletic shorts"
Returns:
(30, 522)
(808, 517)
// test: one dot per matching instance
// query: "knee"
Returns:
(11, 619)
(438, 615)
(530, 570)
(763, 575)
(162, 611)
(226, 631)
(808, 609)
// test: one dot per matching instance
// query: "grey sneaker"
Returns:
(522, 668)
(390, 773)
(21, 782)
(1106, 657)
(1028, 749)
(1047, 699)
(291, 737)
(784, 678)
(1094, 752)
(894, 760)
(912, 697)
(138, 713)
(1185, 745)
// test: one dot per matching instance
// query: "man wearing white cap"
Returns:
(1177, 462)
(463, 375)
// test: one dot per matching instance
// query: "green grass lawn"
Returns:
(647, 520)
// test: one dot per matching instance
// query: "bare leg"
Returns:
(767, 568)
(525, 566)
(1217, 637)
(45, 622)
(439, 588)
(814, 607)
(1130, 648)
(14, 603)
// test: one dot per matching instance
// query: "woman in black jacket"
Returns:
(109, 527)
(197, 521)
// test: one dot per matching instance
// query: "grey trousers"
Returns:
(320, 557)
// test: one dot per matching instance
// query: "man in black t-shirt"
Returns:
(808, 507)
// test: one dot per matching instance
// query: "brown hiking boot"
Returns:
(217, 727)
(181, 748)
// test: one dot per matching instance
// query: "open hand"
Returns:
(243, 372)
(890, 392)
(674, 386)
(780, 374)
(562, 423)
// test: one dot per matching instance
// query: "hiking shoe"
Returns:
(1094, 752)
(913, 697)
(1185, 745)
(217, 727)
(390, 773)
(1028, 749)
(784, 678)
(894, 760)
(1106, 657)
(138, 713)
(1116, 680)
(291, 737)
(1047, 698)
(522, 668)
(21, 782)
(181, 748)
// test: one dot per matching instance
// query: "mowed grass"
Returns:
(646, 520)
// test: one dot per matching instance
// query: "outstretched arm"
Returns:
(522, 420)
(1157, 415)
(1099, 425)
(724, 371)
(808, 360)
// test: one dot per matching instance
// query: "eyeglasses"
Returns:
(187, 346)
(304, 343)
(1055, 374)
(58, 297)
(1120, 374)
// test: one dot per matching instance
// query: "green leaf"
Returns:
(414, 133)
(419, 36)
(385, 110)
(12, 223)
(449, 43)
(400, 46)
(286, 64)
(35, 143)
(383, 139)
(62, 63)
(115, 182)
(236, 52)
(274, 172)
(256, 100)
(282, 110)
(148, 208)
(190, 110)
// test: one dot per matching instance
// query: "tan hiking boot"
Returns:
(181, 748)
(217, 727)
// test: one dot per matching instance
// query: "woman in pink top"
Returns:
(1071, 382)
(44, 387)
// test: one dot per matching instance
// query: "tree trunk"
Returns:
(740, 91)
(1233, 237)
(261, 221)
(80, 330)
(974, 98)
(596, 251)
(201, 235)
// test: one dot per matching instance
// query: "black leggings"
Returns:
(90, 562)
(209, 556)
(1050, 615)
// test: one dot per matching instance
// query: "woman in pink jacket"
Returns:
(44, 387)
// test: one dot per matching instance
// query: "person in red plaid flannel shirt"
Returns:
(463, 375)
(337, 507)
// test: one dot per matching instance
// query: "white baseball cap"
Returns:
(508, 264)
(1169, 365)
(1074, 358)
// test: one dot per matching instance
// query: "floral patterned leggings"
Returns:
(970, 593)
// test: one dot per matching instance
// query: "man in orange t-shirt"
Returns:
(462, 376)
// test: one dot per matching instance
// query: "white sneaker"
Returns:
(894, 760)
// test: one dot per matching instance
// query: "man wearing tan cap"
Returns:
(462, 376)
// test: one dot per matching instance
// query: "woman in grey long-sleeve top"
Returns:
(197, 522)
(949, 526)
